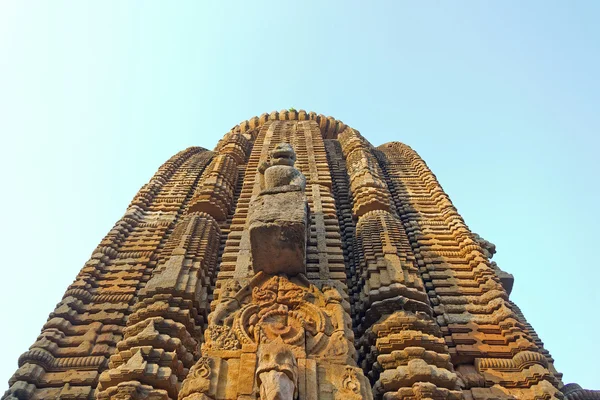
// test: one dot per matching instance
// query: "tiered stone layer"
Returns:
(391, 267)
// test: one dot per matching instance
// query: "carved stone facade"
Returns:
(295, 261)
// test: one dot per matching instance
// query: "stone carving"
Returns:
(216, 191)
(277, 372)
(312, 321)
(351, 387)
(83, 332)
(489, 249)
(279, 173)
(368, 187)
(467, 297)
(292, 327)
(199, 379)
(573, 391)
(278, 224)
(228, 278)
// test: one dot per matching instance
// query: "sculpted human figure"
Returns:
(277, 372)
(279, 171)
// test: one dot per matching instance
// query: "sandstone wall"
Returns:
(395, 298)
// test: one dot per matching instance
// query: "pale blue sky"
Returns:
(500, 98)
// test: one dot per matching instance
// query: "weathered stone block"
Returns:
(278, 232)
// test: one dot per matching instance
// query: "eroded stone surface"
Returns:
(279, 171)
(278, 232)
(296, 261)
(278, 222)
(277, 372)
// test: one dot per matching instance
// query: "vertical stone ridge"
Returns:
(160, 341)
(400, 345)
(388, 261)
(226, 225)
(234, 149)
(236, 249)
(324, 253)
(162, 336)
(215, 193)
(306, 314)
(129, 363)
(325, 258)
(487, 342)
(83, 330)
(343, 201)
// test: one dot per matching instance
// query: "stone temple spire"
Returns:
(294, 261)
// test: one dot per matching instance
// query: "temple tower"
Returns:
(295, 261)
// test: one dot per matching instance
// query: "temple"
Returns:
(294, 261)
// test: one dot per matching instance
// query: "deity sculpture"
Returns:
(277, 372)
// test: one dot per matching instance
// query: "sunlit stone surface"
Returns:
(295, 261)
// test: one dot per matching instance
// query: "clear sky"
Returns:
(501, 99)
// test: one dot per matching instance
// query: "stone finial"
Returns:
(277, 372)
(279, 216)
(279, 171)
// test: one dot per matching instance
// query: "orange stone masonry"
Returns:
(394, 298)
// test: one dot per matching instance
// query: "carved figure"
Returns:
(291, 311)
(279, 220)
(277, 372)
(279, 171)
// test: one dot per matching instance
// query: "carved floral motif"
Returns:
(287, 309)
